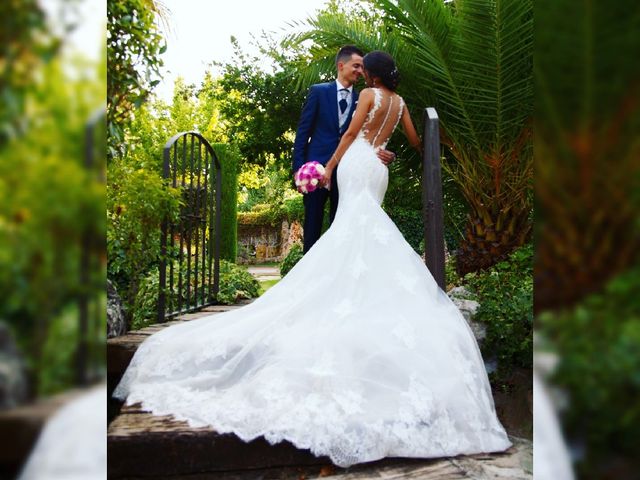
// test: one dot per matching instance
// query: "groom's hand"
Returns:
(386, 156)
(326, 179)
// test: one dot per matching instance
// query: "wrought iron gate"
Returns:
(189, 274)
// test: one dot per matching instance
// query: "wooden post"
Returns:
(432, 198)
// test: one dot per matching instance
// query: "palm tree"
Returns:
(587, 148)
(472, 60)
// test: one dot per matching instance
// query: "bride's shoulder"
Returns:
(367, 95)
(367, 92)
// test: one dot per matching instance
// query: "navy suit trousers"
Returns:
(314, 203)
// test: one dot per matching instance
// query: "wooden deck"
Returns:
(143, 446)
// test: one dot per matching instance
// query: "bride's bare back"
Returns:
(382, 118)
(377, 114)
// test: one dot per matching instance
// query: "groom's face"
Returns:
(351, 70)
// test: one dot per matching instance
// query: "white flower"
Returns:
(304, 182)
(314, 181)
(319, 168)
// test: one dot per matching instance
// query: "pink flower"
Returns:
(308, 177)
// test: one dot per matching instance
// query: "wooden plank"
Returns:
(390, 468)
(432, 198)
(147, 446)
(185, 317)
(226, 308)
(141, 445)
(164, 449)
(131, 424)
(132, 409)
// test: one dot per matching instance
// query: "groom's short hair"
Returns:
(344, 54)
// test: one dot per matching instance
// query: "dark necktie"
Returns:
(343, 101)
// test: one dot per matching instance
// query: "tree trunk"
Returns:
(490, 238)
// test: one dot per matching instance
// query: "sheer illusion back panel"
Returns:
(382, 119)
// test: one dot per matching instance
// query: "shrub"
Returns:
(228, 156)
(273, 214)
(599, 363)
(261, 214)
(137, 202)
(505, 293)
(145, 307)
(409, 222)
(293, 257)
(236, 283)
(294, 208)
(451, 275)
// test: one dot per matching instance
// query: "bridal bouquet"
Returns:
(308, 176)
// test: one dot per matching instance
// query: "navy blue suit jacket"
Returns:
(318, 131)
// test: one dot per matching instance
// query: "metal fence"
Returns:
(189, 274)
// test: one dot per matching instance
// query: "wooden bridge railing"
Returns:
(432, 197)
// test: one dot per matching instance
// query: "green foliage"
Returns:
(274, 213)
(293, 257)
(410, 223)
(229, 157)
(236, 283)
(134, 46)
(294, 208)
(149, 130)
(268, 197)
(155, 122)
(404, 198)
(145, 307)
(451, 278)
(261, 214)
(271, 183)
(137, 202)
(455, 212)
(267, 284)
(26, 44)
(58, 368)
(260, 109)
(505, 293)
(597, 342)
(51, 202)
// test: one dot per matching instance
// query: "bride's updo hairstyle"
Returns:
(380, 64)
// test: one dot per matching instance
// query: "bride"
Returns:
(356, 353)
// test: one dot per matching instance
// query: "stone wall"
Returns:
(266, 243)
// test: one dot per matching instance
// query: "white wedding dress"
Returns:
(355, 354)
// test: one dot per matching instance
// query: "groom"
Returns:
(325, 117)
